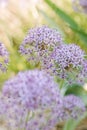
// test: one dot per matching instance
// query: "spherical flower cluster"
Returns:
(80, 5)
(32, 101)
(66, 61)
(45, 46)
(4, 57)
(28, 101)
(39, 42)
(34, 89)
(74, 106)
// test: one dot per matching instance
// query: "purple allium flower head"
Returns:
(80, 5)
(39, 42)
(29, 100)
(33, 88)
(66, 61)
(74, 106)
(4, 57)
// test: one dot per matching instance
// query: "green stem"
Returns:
(61, 84)
(28, 117)
(64, 89)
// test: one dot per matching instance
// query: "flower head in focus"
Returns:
(28, 101)
(4, 57)
(39, 43)
(66, 61)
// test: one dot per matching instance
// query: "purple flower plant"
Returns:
(39, 43)
(80, 5)
(28, 101)
(45, 46)
(4, 57)
(67, 62)
(32, 101)
(74, 106)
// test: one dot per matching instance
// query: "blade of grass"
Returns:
(70, 22)
(51, 22)
(62, 14)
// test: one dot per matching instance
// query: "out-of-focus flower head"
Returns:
(32, 100)
(80, 5)
(66, 61)
(40, 42)
(28, 101)
(4, 57)
(74, 106)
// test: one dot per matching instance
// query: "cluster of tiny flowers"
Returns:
(80, 5)
(28, 101)
(66, 61)
(74, 106)
(4, 57)
(39, 42)
(32, 101)
(44, 45)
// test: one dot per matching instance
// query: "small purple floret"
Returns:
(39, 43)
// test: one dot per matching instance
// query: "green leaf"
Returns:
(82, 35)
(62, 14)
(69, 125)
(78, 91)
(75, 89)
(70, 22)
